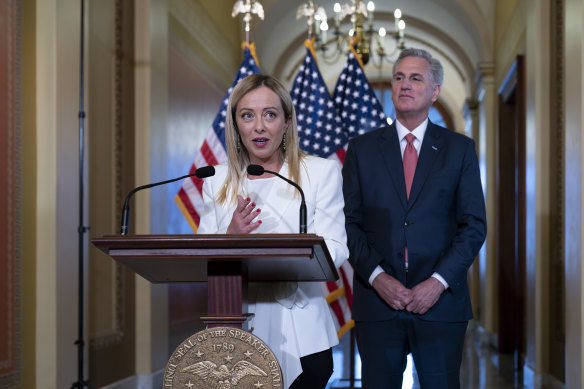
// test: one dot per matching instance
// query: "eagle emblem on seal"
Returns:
(222, 377)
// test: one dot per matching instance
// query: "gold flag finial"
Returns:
(247, 8)
(312, 13)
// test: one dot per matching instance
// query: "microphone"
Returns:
(202, 172)
(258, 170)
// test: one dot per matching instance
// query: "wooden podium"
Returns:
(226, 262)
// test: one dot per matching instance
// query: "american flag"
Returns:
(356, 101)
(320, 129)
(190, 198)
(321, 133)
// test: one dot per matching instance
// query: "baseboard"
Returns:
(140, 381)
(531, 378)
(535, 380)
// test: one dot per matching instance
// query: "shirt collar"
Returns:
(418, 131)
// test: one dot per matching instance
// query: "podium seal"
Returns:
(222, 358)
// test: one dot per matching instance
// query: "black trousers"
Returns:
(317, 368)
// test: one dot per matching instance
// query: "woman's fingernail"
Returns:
(253, 204)
(247, 199)
(258, 210)
(259, 221)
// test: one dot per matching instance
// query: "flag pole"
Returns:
(81, 230)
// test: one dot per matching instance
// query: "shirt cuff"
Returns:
(442, 280)
(378, 270)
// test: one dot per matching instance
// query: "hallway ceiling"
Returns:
(458, 32)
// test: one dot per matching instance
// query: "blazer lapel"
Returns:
(431, 147)
(391, 156)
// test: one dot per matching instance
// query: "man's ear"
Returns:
(436, 92)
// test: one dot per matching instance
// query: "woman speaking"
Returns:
(260, 129)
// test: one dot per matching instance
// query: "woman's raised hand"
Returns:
(243, 216)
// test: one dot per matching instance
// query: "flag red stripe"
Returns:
(198, 182)
(208, 154)
(341, 154)
(184, 198)
(348, 291)
(331, 286)
(336, 308)
(209, 157)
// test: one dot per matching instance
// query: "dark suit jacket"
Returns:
(443, 223)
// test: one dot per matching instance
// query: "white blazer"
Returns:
(292, 318)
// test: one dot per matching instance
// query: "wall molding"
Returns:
(535, 380)
(206, 43)
(10, 196)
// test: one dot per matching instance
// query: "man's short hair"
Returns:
(436, 70)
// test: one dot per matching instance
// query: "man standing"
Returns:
(415, 220)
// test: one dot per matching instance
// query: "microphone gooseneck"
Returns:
(258, 170)
(203, 172)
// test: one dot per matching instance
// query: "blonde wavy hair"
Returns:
(239, 160)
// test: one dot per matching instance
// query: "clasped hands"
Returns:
(417, 300)
(242, 221)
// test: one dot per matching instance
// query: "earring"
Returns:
(238, 143)
(284, 142)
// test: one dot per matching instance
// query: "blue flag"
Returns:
(320, 129)
(355, 99)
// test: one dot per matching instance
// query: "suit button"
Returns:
(407, 223)
(400, 255)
